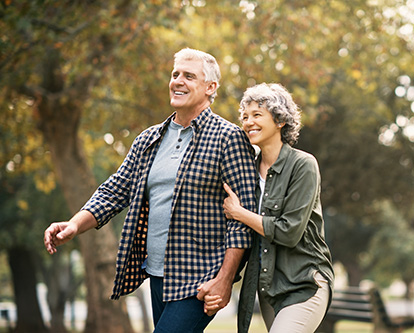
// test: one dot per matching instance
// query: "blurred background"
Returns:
(79, 80)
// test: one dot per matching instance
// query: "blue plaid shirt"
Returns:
(199, 232)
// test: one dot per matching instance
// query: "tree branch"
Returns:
(127, 104)
(59, 29)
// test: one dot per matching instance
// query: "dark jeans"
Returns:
(182, 316)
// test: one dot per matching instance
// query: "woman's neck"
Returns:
(270, 154)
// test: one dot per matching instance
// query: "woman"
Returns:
(290, 263)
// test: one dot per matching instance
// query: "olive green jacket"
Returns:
(282, 264)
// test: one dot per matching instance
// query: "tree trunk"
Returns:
(23, 269)
(355, 274)
(408, 281)
(59, 116)
(145, 318)
(98, 248)
(59, 283)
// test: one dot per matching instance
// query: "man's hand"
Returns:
(57, 234)
(216, 295)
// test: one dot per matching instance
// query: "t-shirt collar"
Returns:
(196, 123)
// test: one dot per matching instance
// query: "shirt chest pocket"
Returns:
(272, 206)
(204, 172)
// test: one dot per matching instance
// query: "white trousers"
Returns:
(298, 318)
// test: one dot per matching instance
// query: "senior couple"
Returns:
(205, 204)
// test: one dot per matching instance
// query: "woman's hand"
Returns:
(211, 304)
(234, 210)
(231, 204)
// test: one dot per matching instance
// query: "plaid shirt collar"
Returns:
(196, 123)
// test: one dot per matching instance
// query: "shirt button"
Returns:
(262, 289)
(178, 147)
(263, 213)
(265, 270)
(276, 206)
(265, 250)
(179, 140)
(270, 176)
(266, 194)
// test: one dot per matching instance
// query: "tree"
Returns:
(22, 207)
(49, 64)
(391, 249)
(342, 61)
(93, 76)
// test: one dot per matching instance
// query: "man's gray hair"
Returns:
(211, 68)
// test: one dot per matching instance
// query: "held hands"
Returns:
(215, 294)
(231, 204)
(57, 234)
(212, 304)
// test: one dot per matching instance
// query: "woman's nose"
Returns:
(248, 121)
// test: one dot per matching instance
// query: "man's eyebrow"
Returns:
(185, 73)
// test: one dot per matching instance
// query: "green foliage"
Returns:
(26, 212)
(341, 60)
(391, 249)
(6, 288)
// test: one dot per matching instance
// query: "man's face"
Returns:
(188, 91)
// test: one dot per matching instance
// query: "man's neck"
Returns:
(184, 118)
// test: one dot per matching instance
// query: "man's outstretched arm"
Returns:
(59, 233)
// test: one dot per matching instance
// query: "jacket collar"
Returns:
(277, 167)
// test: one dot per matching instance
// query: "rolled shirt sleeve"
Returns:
(239, 172)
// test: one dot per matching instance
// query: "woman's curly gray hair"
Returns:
(278, 101)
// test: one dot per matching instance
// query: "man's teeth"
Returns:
(180, 93)
(253, 131)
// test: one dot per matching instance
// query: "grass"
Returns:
(355, 327)
(228, 325)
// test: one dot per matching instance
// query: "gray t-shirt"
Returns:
(160, 188)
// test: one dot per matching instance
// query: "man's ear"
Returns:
(211, 88)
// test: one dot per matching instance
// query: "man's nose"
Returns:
(178, 79)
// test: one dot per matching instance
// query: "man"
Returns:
(172, 179)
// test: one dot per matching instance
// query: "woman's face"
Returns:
(259, 125)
